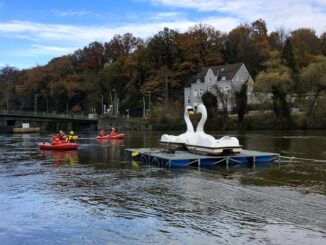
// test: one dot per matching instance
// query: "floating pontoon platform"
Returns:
(165, 158)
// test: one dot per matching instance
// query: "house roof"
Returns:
(228, 70)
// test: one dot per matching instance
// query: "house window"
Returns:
(188, 100)
(195, 93)
(201, 92)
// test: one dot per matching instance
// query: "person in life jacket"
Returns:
(62, 136)
(55, 139)
(70, 137)
(102, 133)
(113, 131)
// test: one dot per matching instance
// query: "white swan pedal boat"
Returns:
(205, 144)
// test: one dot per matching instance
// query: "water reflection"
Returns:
(61, 157)
(117, 142)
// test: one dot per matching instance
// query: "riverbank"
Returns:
(253, 121)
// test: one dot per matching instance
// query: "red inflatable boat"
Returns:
(109, 136)
(58, 146)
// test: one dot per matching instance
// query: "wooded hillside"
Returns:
(282, 61)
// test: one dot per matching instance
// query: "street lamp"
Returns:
(117, 104)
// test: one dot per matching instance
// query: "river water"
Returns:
(94, 196)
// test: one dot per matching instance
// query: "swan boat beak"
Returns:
(191, 111)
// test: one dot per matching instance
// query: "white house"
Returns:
(221, 81)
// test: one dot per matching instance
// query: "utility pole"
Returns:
(67, 108)
(117, 104)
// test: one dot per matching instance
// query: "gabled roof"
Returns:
(228, 70)
(194, 78)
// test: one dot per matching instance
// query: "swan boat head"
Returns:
(178, 141)
(203, 143)
(201, 108)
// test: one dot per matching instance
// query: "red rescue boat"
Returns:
(110, 136)
(58, 146)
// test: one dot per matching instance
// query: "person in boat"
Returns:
(55, 139)
(102, 133)
(113, 132)
(71, 137)
(62, 136)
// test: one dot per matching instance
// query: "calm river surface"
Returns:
(94, 196)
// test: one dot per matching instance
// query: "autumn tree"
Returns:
(161, 53)
(8, 77)
(90, 58)
(59, 71)
(238, 44)
(260, 46)
(287, 55)
(314, 77)
(121, 46)
(305, 45)
(276, 79)
(248, 44)
(278, 38)
(202, 45)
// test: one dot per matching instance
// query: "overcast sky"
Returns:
(32, 32)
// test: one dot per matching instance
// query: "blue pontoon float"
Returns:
(166, 158)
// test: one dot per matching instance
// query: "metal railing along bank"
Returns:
(46, 114)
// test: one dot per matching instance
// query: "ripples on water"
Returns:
(94, 196)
